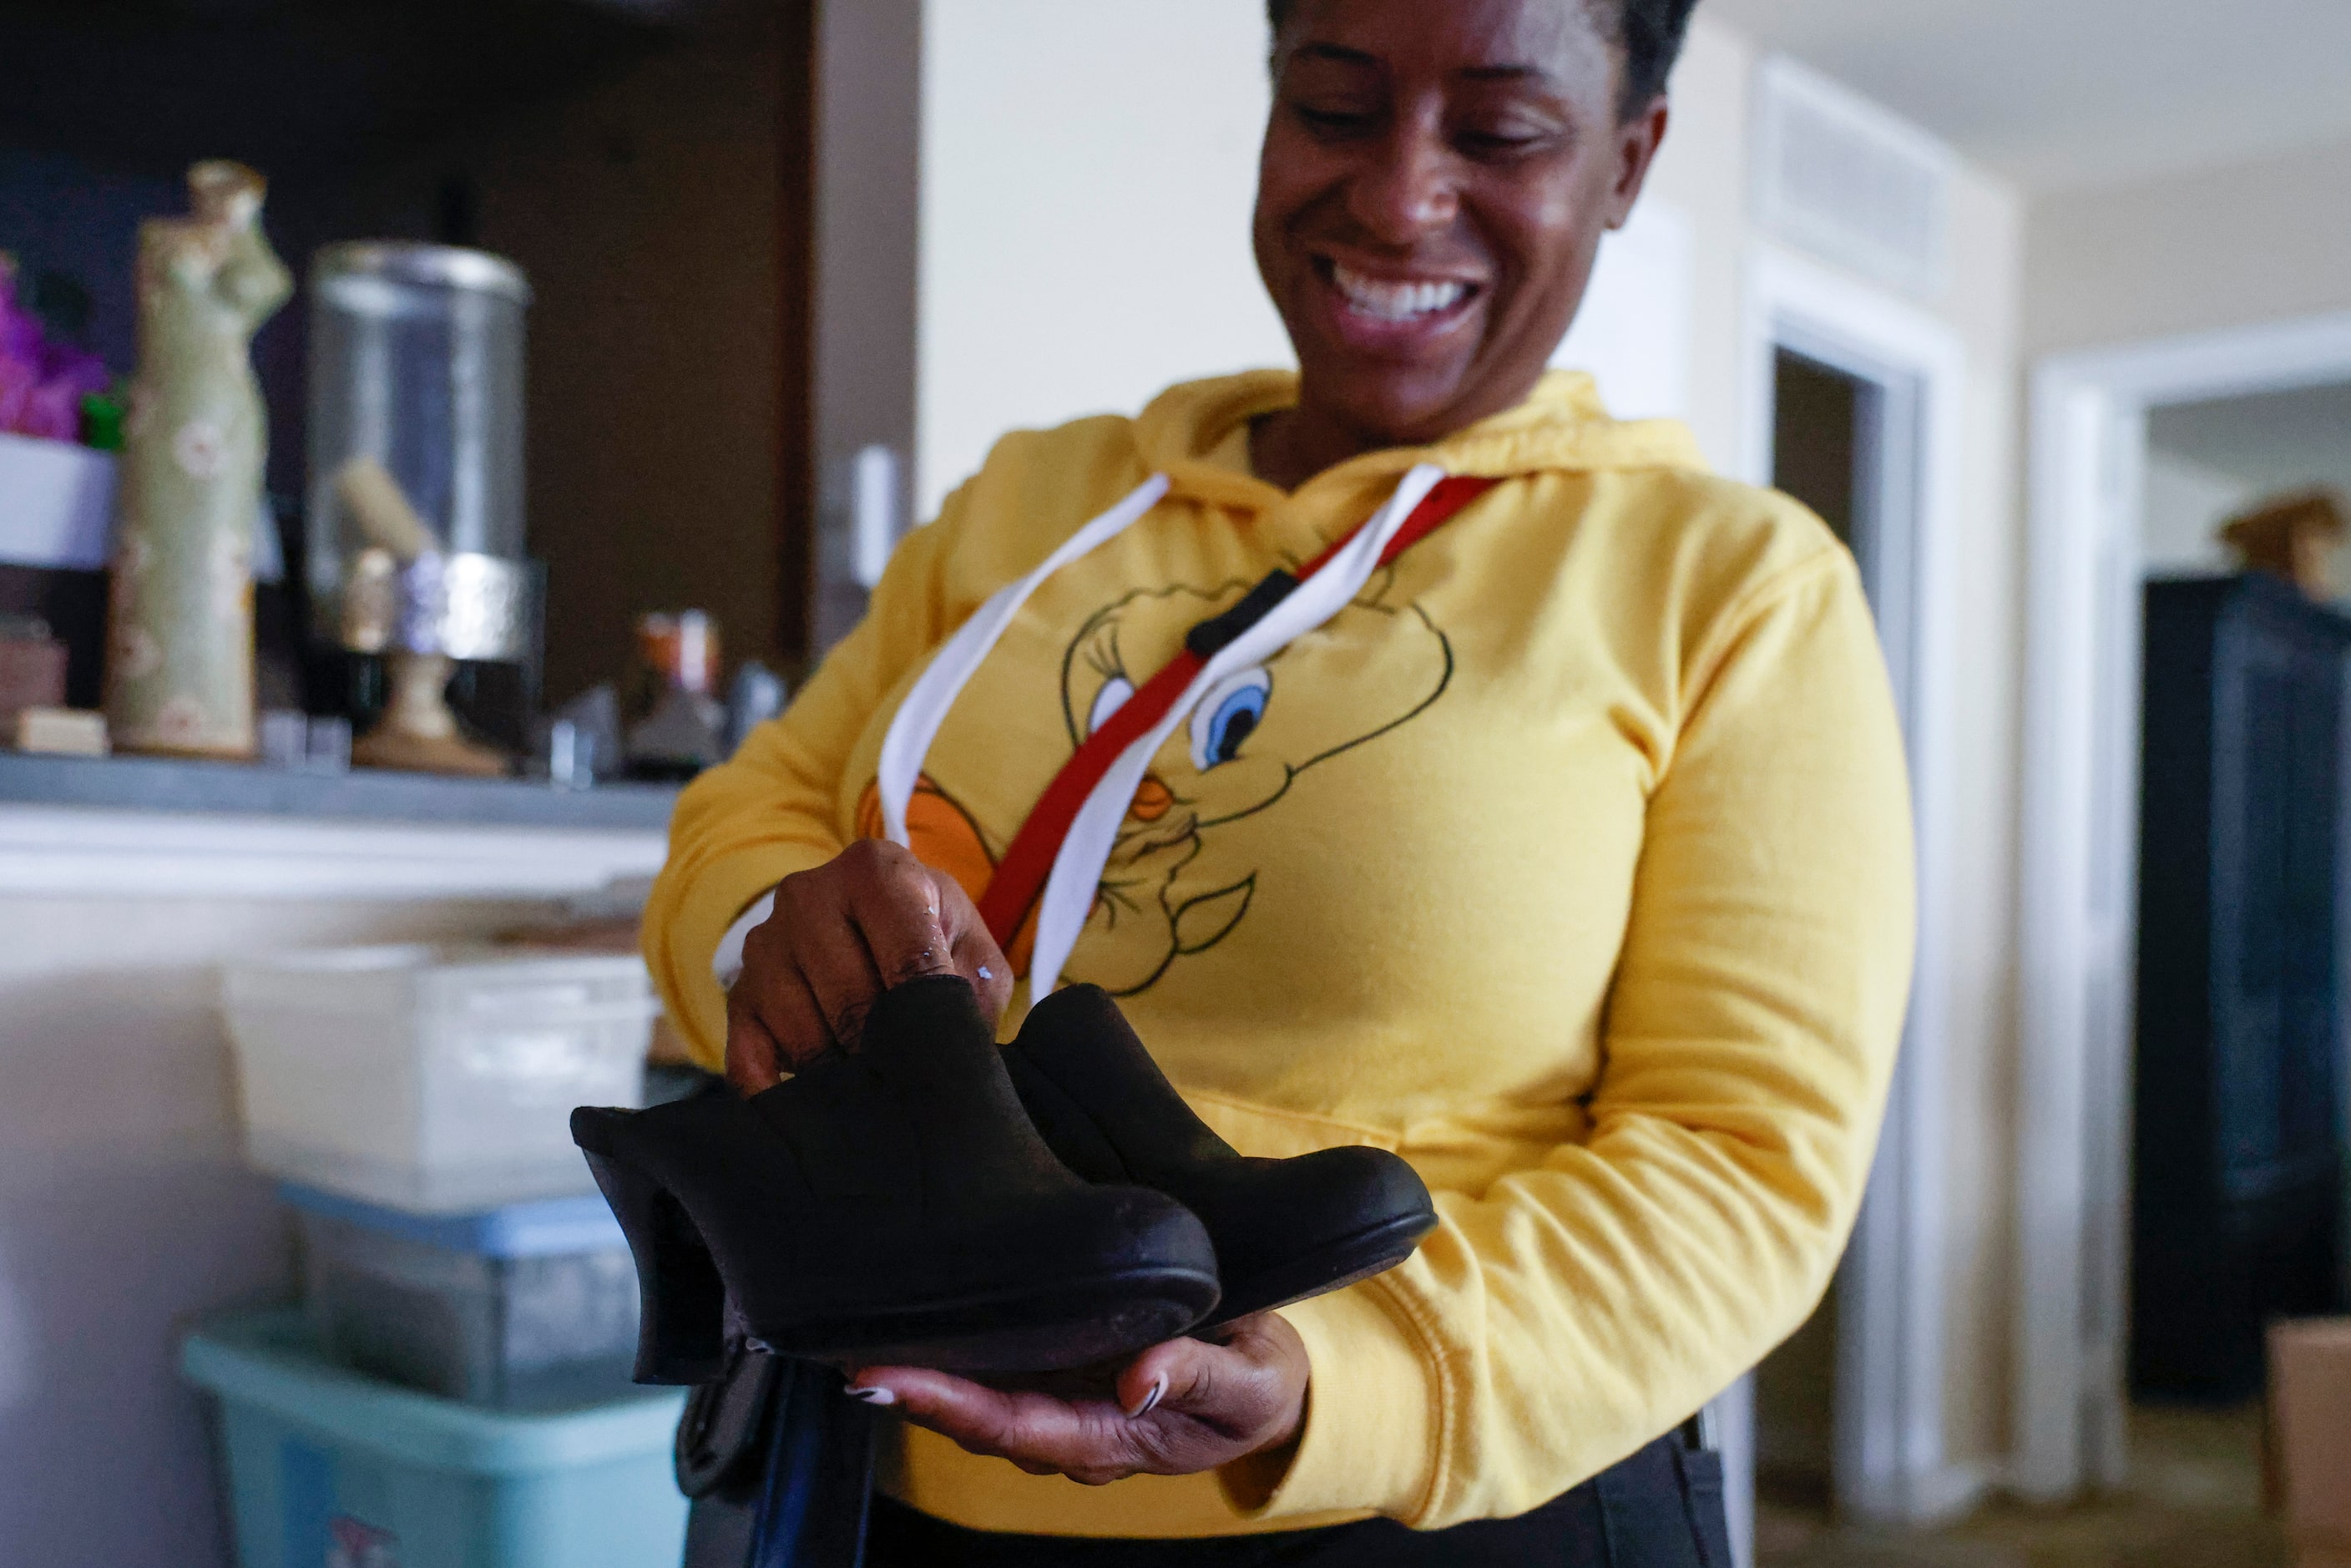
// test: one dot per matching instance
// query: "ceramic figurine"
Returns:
(180, 641)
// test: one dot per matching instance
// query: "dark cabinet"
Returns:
(2237, 1179)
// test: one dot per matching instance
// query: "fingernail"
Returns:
(1150, 1400)
(874, 1395)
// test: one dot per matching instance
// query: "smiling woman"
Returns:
(1547, 829)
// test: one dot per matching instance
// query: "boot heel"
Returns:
(681, 1322)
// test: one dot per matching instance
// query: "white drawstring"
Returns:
(918, 719)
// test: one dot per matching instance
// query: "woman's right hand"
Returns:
(870, 918)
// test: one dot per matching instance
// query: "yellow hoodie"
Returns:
(1571, 861)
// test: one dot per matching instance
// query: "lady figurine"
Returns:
(180, 645)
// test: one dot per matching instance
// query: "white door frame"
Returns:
(2078, 866)
(1888, 1463)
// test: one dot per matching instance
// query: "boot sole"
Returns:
(1375, 1249)
(1033, 1328)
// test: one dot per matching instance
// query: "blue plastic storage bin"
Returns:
(529, 1307)
(329, 1469)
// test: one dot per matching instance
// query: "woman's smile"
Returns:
(1397, 314)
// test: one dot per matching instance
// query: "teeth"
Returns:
(1396, 301)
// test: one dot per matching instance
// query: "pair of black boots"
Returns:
(931, 1200)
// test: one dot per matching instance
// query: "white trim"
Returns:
(1889, 1420)
(1950, 1492)
(2077, 859)
(87, 851)
(1733, 1412)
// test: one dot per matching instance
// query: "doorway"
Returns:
(1828, 451)
(2236, 1171)
(1853, 401)
(2117, 441)
(1823, 438)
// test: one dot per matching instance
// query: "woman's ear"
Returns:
(1637, 140)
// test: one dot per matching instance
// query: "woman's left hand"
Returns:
(1183, 1407)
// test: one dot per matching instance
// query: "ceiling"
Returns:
(2277, 441)
(2059, 93)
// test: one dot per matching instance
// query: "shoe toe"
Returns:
(1333, 1210)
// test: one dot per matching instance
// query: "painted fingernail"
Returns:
(1150, 1400)
(874, 1395)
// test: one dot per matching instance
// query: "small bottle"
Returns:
(686, 730)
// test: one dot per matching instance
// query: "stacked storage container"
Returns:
(456, 1394)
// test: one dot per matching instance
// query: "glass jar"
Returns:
(415, 411)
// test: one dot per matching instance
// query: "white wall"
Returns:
(2261, 241)
(1978, 920)
(1632, 332)
(2187, 501)
(1088, 173)
(1701, 172)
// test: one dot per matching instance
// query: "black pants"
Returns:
(1660, 1509)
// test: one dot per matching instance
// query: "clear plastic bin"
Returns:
(433, 1079)
(527, 1308)
(328, 1466)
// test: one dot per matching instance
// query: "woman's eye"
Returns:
(1336, 121)
(1108, 701)
(1501, 144)
(1229, 715)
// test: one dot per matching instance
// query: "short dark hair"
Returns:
(1649, 32)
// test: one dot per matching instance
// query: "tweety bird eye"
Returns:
(1229, 715)
(1108, 701)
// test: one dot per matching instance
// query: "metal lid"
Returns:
(429, 265)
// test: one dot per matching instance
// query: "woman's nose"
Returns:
(1408, 190)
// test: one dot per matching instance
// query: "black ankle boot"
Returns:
(892, 1206)
(1284, 1229)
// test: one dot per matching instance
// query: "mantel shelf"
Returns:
(124, 827)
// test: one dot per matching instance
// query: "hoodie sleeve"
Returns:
(776, 808)
(1560, 1319)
